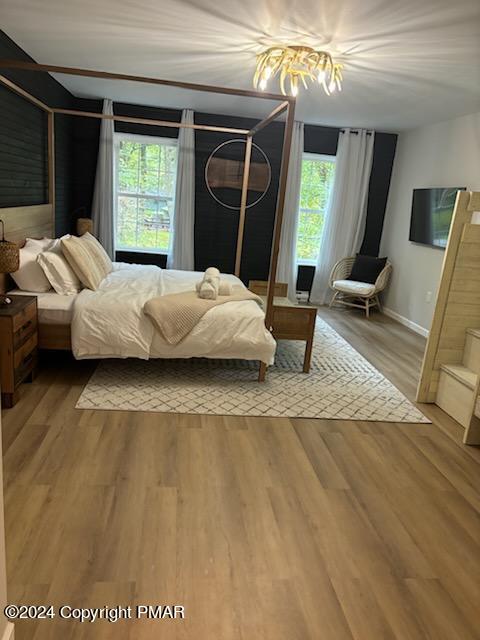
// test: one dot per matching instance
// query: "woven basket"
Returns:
(84, 225)
(9, 257)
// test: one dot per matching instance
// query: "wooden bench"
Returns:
(290, 321)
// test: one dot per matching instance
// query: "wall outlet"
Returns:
(428, 296)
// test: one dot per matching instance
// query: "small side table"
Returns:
(18, 346)
(290, 321)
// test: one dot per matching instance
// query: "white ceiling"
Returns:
(407, 62)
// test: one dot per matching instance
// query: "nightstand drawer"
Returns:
(27, 365)
(28, 313)
(26, 330)
(24, 351)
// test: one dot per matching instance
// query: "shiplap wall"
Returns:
(23, 141)
(23, 157)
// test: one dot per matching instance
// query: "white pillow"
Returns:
(30, 276)
(34, 243)
(59, 273)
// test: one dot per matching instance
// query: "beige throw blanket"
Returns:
(176, 314)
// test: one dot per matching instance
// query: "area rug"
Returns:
(341, 385)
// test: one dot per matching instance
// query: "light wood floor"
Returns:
(265, 529)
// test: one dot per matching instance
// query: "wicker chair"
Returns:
(356, 294)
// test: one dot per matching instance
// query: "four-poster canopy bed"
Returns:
(55, 336)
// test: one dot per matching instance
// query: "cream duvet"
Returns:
(110, 322)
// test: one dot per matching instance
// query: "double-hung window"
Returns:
(146, 169)
(318, 173)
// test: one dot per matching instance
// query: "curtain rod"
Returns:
(356, 132)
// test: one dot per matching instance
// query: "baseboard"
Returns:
(406, 322)
(9, 632)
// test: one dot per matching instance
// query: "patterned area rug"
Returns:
(341, 385)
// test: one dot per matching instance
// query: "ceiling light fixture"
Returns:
(297, 63)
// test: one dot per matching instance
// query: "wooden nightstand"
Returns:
(18, 346)
(290, 321)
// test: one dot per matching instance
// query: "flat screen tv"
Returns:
(432, 211)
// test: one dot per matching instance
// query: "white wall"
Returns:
(446, 154)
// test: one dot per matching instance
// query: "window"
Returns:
(145, 192)
(318, 172)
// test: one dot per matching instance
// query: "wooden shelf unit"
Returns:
(450, 376)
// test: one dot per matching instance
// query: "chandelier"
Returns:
(297, 64)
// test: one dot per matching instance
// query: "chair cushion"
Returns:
(354, 288)
(367, 268)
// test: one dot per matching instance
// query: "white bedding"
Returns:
(110, 323)
(52, 308)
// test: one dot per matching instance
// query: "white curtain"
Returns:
(181, 253)
(347, 210)
(287, 258)
(103, 204)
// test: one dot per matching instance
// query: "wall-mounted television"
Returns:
(432, 211)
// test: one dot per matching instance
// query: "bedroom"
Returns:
(277, 466)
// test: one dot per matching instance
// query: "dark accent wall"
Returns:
(136, 111)
(216, 226)
(23, 140)
(64, 175)
(320, 139)
(383, 154)
(23, 158)
(86, 133)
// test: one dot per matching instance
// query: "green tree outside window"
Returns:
(146, 173)
(316, 184)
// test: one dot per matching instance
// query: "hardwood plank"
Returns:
(375, 503)
(441, 618)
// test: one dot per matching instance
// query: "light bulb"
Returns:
(263, 84)
(267, 73)
(294, 90)
(332, 86)
(321, 76)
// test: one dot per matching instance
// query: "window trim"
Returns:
(318, 157)
(146, 139)
(137, 137)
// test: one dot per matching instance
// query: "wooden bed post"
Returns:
(243, 204)
(51, 164)
(277, 231)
